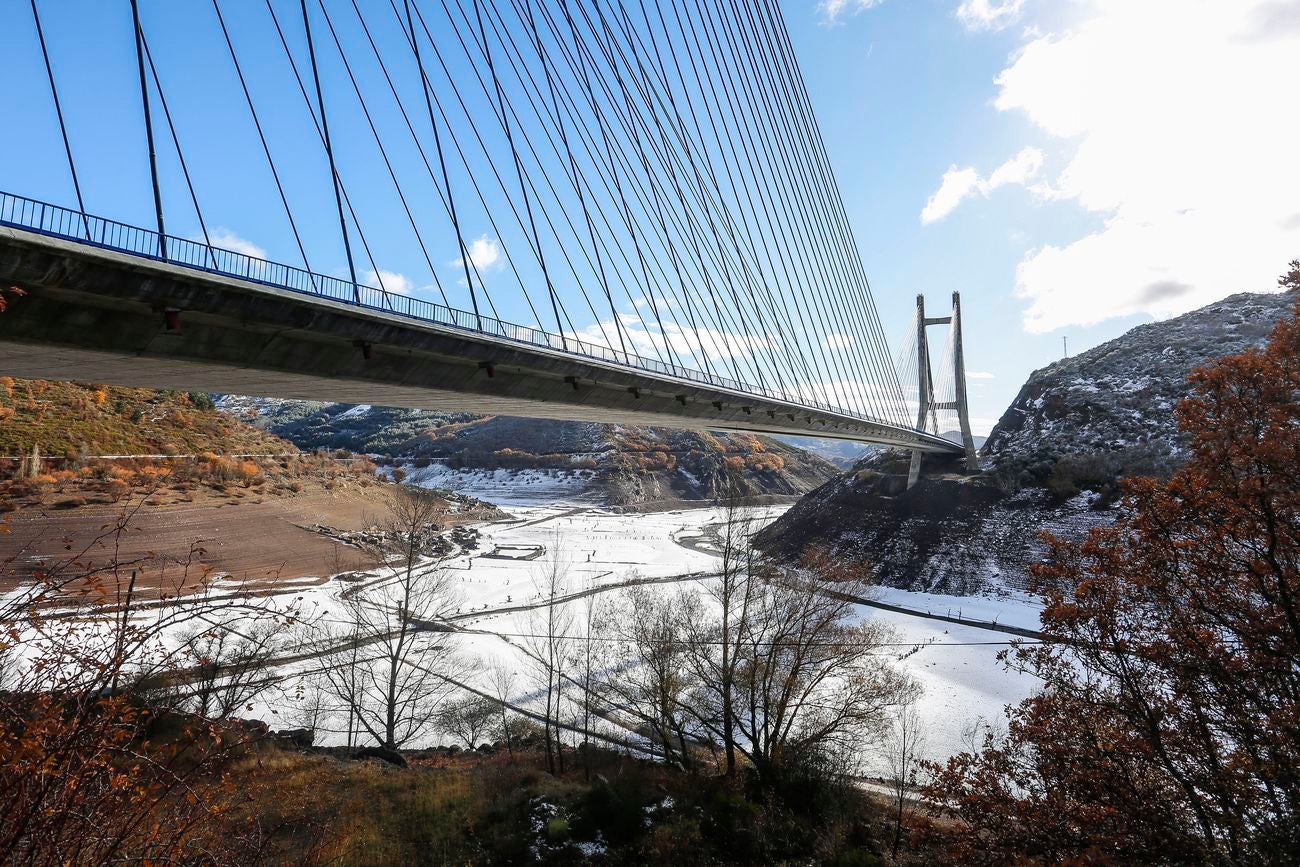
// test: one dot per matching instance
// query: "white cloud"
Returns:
(989, 14)
(390, 281)
(688, 343)
(228, 240)
(960, 184)
(979, 374)
(838, 341)
(834, 10)
(484, 254)
(1185, 149)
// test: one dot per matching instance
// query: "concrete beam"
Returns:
(97, 315)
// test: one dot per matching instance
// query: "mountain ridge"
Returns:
(1052, 463)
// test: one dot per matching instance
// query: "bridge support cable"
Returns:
(577, 183)
(488, 212)
(811, 204)
(674, 163)
(519, 170)
(449, 198)
(733, 218)
(619, 106)
(58, 113)
(891, 395)
(792, 195)
(621, 205)
(612, 151)
(261, 135)
(342, 185)
(775, 209)
(659, 336)
(753, 195)
(180, 153)
(656, 105)
(725, 324)
(542, 109)
(754, 286)
(148, 129)
(658, 346)
(658, 210)
(329, 151)
(847, 255)
(618, 173)
(782, 38)
(383, 153)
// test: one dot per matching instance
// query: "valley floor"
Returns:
(500, 608)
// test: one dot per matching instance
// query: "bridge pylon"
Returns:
(927, 404)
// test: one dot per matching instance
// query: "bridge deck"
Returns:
(96, 311)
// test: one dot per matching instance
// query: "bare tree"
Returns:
(402, 663)
(586, 662)
(646, 673)
(715, 642)
(468, 718)
(226, 662)
(549, 646)
(810, 681)
(903, 753)
(313, 705)
(503, 688)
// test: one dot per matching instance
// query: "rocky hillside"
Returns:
(1051, 463)
(1112, 406)
(514, 458)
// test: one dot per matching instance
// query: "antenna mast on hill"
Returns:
(928, 404)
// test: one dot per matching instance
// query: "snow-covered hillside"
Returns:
(1051, 464)
(518, 460)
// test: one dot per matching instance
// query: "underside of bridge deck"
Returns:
(97, 315)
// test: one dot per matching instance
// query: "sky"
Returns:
(1072, 167)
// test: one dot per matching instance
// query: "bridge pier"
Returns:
(926, 404)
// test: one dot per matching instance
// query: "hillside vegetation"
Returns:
(629, 466)
(69, 419)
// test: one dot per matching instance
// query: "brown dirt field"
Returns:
(258, 541)
(252, 542)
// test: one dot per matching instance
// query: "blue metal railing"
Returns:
(37, 216)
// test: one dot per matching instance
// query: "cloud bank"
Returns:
(1182, 135)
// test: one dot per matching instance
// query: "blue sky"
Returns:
(1073, 167)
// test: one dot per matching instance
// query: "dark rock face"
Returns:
(624, 466)
(947, 534)
(1051, 463)
(392, 757)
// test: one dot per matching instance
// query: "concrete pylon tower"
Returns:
(926, 403)
(959, 384)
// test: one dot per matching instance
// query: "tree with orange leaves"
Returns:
(1168, 728)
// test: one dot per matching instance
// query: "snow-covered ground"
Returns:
(956, 664)
(519, 488)
(499, 603)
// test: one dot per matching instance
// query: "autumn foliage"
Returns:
(1168, 730)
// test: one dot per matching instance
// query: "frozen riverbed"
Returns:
(602, 551)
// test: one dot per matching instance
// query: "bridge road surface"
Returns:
(95, 314)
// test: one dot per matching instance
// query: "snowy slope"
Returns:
(1051, 464)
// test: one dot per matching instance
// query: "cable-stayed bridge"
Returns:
(643, 184)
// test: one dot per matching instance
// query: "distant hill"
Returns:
(1051, 463)
(842, 453)
(619, 465)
